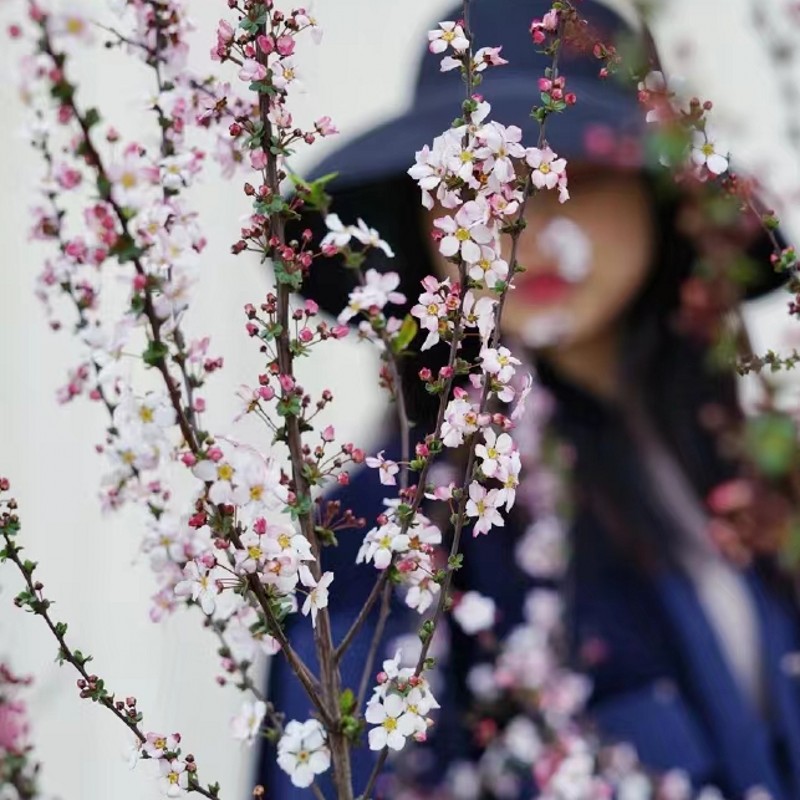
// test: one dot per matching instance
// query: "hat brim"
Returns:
(606, 127)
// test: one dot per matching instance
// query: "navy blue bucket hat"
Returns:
(371, 170)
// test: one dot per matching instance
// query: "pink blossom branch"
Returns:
(90, 685)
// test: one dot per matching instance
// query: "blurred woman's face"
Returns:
(585, 260)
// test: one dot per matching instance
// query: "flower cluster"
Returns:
(399, 707)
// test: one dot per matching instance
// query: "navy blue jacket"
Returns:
(664, 685)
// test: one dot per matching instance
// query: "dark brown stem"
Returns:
(377, 635)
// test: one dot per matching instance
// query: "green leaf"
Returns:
(771, 441)
(155, 353)
(313, 192)
(347, 701)
(404, 337)
(292, 279)
(91, 117)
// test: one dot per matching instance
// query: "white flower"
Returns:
(199, 585)
(177, 171)
(460, 420)
(394, 723)
(174, 777)
(383, 543)
(338, 234)
(377, 291)
(708, 151)
(499, 145)
(465, 232)
(541, 551)
(387, 469)
(548, 171)
(499, 362)
(318, 595)
(492, 450)
(480, 314)
(369, 237)
(474, 612)
(431, 309)
(303, 752)
(449, 35)
(247, 723)
(484, 505)
(490, 268)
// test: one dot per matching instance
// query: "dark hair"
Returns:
(665, 375)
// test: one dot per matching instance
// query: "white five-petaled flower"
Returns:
(449, 34)
(199, 585)
(303, 751)
(484, 505)
(317, 597)
(338, 235)
(460, 420)
(378, 290)
(431, 309)
(247, 723)
(490, 268)
(492, 451)
(174, 777)
(709, 152)
(499, 362)
(465, 232)
(548, 171)
(386, 469)
(393, 723)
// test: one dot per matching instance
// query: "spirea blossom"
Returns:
(303, 752)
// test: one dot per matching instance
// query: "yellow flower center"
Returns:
(545, 168)
(707, 149)
(128, 180)
(254, 551)
(481, 506)
(491, 452)
(284, 540)
(146, 414)
(172, 777)
(466, 156)
(432, 308)
(462, 234)
(160, 743)
(303, 756)
(390, 723)
(225, 472)
(75, 25)
(256, 492)
(448, 36)
(128, 457)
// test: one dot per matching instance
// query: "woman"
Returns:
(686, 651)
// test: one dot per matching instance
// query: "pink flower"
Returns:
(387, 469)
(258, 159)
(488, 57)
(324, 127)
(252, 71)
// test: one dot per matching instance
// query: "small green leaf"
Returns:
(155, 353)
(771, 441)
(404, 337)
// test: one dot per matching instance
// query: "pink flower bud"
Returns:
(305, 335)
(215, 454)
(328, 434)
(189, 459)
(266, 44)
(343, 479)
(258, 159)
(139, 282)
(285, 45)
(311, 307)
(199, 405)
(266, 392)
(358, 455)
(287, 382)
(340, 331)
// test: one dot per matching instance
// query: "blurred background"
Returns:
(360, 75)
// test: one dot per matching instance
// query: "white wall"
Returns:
(360, 74)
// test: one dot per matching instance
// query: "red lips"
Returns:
(545, 288)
